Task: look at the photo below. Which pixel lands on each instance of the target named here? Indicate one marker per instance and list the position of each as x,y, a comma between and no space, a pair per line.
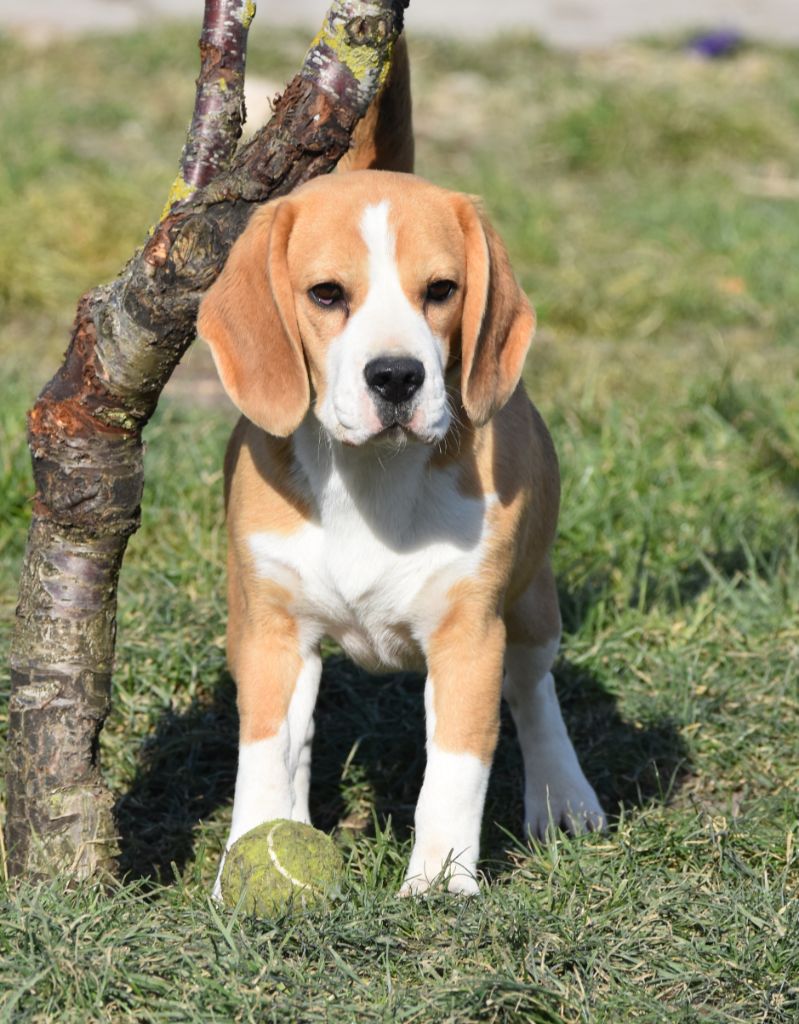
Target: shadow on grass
369,755
629,764
187,769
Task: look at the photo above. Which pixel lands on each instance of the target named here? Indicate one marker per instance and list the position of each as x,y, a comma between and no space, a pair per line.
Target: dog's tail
383,138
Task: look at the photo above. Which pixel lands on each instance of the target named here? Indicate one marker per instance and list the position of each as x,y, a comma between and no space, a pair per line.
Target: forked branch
85,429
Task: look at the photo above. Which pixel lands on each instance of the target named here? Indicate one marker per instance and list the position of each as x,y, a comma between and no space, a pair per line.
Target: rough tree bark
85,428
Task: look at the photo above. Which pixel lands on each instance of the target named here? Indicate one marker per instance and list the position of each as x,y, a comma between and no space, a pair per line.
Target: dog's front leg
462,698
277,688
275,729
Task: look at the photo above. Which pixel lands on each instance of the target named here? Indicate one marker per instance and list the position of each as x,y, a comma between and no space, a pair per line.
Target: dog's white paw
432,870
459,885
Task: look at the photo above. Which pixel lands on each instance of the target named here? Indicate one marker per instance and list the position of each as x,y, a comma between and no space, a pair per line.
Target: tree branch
219,101
85,429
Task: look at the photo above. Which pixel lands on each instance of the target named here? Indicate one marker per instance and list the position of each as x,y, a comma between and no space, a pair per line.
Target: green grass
646,200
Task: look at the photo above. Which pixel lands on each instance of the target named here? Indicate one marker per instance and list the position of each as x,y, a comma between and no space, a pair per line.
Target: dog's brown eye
326,294
440,291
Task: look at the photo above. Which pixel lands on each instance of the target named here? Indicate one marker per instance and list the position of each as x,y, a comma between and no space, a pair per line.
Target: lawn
650,201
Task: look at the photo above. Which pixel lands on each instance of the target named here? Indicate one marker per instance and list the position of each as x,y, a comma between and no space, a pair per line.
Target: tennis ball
281,863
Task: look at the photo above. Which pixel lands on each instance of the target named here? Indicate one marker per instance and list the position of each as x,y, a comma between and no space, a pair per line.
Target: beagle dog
391,486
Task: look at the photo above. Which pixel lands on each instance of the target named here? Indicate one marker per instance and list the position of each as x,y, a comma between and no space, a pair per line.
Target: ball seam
276,861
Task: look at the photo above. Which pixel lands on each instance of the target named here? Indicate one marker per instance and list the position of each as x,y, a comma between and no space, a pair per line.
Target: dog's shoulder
510,465
511,457
263,487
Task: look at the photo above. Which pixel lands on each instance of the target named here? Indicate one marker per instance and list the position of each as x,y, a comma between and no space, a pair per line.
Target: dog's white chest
375,571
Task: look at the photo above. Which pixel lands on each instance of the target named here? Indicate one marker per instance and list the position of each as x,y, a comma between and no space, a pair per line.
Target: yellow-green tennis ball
280,864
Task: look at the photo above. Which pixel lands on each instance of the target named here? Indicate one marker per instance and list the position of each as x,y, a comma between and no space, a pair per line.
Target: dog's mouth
393,415
396,434
393,437
391,425
397,423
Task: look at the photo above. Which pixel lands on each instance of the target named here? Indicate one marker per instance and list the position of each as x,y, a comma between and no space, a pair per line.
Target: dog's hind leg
555,789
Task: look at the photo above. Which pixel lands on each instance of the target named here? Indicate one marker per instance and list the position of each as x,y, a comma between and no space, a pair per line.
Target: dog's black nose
395,380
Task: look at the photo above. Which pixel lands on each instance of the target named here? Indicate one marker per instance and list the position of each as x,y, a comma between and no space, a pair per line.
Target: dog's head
367,292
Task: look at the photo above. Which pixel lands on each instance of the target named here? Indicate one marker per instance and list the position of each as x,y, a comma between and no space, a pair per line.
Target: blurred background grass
650,201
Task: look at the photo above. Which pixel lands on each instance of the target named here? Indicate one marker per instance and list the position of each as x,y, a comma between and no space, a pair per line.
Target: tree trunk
85,429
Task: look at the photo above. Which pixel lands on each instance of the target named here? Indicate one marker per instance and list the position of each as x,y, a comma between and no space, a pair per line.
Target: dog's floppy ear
498,320
248,319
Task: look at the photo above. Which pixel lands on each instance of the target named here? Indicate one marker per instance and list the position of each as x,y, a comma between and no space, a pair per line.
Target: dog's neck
383,484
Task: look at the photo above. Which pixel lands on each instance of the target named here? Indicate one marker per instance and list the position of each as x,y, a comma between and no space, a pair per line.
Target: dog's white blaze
396,328
555,788
382,248
385,324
